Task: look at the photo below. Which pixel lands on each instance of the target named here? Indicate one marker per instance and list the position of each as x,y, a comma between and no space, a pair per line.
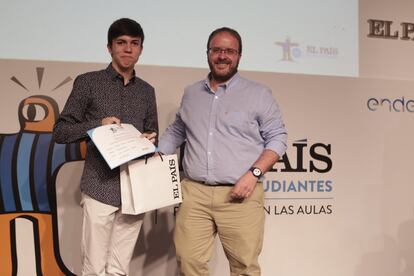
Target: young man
234,133
111,96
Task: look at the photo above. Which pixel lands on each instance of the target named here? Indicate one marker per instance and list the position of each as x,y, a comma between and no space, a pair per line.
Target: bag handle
160,154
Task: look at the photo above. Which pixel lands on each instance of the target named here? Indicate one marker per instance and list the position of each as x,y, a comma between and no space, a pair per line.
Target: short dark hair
232,32
125,26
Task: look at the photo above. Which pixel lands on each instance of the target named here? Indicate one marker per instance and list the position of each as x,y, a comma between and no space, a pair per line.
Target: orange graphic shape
48,263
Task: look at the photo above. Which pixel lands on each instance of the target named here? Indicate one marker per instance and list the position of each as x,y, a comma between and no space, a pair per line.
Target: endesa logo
391,105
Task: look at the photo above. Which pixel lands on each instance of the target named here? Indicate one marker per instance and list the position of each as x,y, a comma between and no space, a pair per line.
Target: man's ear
109,47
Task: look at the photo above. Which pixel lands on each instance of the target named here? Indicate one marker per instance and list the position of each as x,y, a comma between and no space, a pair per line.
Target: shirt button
209,152
216,97
211,133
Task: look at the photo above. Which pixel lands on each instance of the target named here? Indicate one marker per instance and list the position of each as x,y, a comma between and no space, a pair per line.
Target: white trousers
108,238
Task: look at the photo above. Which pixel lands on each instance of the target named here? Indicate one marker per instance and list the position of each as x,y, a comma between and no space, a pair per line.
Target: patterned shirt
225,131
96,95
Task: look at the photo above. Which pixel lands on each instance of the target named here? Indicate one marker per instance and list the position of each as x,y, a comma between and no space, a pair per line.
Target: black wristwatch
256,171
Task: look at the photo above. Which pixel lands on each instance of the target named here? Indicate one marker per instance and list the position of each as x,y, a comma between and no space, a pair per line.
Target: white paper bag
150,184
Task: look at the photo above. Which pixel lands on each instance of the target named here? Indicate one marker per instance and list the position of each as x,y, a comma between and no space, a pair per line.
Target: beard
222,76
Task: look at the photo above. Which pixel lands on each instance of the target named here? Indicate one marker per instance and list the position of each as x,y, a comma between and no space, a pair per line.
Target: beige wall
382,57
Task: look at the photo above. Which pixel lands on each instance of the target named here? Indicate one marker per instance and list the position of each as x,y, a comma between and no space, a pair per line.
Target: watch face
256,172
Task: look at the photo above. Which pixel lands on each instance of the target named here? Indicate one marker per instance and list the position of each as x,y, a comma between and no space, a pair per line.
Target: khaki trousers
108,238
207,211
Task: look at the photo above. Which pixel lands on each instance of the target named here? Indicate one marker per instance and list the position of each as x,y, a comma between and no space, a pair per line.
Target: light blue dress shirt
225,131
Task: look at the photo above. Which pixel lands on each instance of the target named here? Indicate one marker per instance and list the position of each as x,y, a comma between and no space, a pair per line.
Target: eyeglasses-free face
125,51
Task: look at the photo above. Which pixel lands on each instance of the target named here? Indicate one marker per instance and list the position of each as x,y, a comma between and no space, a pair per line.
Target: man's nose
222,54
128,47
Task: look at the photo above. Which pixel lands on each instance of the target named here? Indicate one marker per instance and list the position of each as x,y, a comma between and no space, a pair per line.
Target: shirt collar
115,75
226,85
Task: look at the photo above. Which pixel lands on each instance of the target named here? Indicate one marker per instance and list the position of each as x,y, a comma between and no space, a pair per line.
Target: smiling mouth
222,64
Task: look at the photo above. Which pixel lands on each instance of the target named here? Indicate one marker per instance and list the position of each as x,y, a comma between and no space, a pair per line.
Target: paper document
120,144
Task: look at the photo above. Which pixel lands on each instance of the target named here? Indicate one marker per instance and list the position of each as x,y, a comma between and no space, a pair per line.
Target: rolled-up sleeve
271,125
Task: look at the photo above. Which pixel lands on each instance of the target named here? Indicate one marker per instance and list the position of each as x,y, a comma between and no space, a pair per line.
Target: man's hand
244,186
150,136
111,120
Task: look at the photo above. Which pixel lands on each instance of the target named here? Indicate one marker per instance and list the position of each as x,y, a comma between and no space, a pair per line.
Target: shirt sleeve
72,125
271,125
173,136
151,117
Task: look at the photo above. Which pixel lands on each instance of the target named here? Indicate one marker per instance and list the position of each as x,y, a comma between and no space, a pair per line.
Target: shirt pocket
235,119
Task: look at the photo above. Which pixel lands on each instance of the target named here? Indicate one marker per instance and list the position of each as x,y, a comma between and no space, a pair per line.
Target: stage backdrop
340,202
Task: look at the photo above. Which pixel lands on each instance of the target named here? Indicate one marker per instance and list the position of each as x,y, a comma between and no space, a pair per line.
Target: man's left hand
244,186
